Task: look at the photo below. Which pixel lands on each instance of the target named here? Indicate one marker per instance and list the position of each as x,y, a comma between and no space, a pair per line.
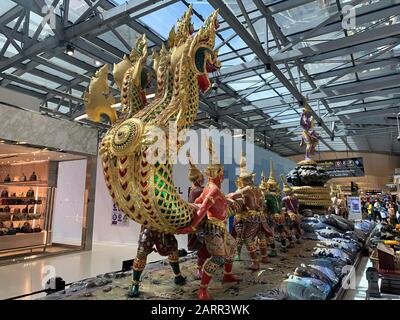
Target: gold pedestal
313,196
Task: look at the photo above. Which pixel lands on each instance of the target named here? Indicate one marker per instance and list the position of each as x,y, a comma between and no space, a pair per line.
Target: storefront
45,206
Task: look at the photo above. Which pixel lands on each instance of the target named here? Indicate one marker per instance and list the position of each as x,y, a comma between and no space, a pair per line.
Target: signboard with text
118,218
343,168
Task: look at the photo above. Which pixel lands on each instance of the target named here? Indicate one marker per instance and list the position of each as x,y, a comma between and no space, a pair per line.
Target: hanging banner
118,218
343,168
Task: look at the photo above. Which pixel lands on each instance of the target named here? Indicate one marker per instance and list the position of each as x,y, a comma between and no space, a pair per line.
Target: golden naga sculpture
98,99
140,188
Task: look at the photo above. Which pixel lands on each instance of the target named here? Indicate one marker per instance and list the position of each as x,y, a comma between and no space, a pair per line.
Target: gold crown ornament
184,28
214,169
263,183
194,173
244,174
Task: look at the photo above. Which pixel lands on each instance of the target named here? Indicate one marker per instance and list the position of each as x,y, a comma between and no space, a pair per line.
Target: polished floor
24,278
358,285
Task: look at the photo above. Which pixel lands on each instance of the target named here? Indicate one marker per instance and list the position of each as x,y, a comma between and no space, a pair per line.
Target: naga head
203,56
98,99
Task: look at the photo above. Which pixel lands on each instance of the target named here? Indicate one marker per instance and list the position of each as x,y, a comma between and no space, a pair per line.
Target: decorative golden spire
183,28
120,69
171,38
263,184
271,180
140,50
194,173
244,174
286,188
214,168
206,34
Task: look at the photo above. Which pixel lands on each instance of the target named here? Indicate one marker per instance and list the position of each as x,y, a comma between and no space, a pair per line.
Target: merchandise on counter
22,178
5,217
31,209
30,193
4,194
37,229
33,176
32,216
7,178
25,210
26,228
321,273
7,209
298,288
15,210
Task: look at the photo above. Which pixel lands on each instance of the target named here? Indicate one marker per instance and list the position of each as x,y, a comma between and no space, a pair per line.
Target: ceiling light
21,142
70,50
84,116
98,63
150,96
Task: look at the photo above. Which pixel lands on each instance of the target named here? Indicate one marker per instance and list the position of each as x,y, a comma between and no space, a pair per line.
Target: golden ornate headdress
244,174
263,184
194,173
286,188
182,29
214,169
140,49
206,34
271,180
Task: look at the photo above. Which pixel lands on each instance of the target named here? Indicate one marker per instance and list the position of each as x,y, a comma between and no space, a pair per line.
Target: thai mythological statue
139,179
309,137
339,205
263,240
291,203
274,207
211,217
165,245
252,220
196,240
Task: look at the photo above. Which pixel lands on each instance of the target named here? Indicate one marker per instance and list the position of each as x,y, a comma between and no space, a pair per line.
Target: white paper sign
118,218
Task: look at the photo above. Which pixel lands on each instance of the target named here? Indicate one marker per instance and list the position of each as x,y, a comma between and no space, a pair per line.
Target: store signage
343,168
118,218
355,212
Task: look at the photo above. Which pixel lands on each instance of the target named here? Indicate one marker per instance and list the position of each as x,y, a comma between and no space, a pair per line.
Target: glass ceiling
340,72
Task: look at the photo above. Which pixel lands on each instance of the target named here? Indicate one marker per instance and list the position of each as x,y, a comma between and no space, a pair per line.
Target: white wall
19,99
37,129
104,232
69,202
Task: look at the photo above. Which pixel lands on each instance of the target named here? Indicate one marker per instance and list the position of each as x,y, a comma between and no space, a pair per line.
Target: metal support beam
259,51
